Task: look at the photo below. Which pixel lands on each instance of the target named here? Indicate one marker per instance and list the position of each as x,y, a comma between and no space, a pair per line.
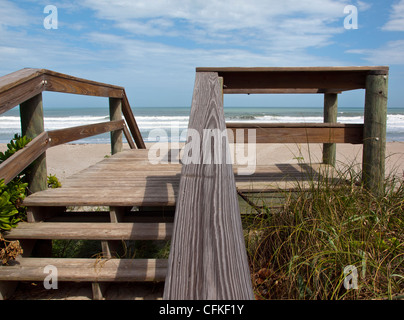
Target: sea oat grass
303,251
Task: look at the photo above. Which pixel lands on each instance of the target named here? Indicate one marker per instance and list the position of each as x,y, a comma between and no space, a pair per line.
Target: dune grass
330,240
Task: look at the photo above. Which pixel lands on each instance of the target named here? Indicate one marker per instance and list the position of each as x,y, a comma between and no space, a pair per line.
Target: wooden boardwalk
195,205
128,179
121,183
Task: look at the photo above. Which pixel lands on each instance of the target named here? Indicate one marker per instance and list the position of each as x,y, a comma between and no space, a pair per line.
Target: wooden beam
208,257
91,231
330,116
128,137
59,82
380,69
21,92
131,123
23,158
374,133
301,132
115,114
301,78
102,270
279,91
62,136
32,125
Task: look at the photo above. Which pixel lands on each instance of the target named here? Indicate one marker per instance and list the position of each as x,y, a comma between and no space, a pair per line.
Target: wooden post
115,113
374,132
32,124
330,116
208,259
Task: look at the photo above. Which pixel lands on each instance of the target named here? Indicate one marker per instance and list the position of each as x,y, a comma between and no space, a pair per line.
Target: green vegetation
11,211
12,194
15,144
300,251
53,182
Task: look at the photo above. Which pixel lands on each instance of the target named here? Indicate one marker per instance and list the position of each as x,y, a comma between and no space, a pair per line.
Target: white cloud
275,23
396,20
12,15
390,54
362,5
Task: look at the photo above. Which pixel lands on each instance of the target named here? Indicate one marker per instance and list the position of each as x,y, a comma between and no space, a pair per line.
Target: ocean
174,120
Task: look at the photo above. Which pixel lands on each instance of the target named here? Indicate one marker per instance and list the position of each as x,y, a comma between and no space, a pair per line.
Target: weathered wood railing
25,88
329,81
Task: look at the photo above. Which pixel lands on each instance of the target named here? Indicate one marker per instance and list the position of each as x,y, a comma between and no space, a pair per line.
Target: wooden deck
128,179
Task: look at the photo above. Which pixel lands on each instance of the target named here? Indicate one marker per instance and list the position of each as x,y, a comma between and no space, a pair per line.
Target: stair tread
89,270
91,231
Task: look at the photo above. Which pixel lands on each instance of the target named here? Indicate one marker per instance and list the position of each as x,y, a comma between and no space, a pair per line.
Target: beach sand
66,160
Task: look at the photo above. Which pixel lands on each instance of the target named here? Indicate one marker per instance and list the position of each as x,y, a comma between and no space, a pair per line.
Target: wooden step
86,270
91,231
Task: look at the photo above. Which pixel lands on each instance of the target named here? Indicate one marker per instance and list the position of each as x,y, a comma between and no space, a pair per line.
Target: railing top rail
294,79
24,84
19,77
294,69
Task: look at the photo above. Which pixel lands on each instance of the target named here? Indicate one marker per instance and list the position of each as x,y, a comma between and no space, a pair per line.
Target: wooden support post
115,113
208,258
374,133
32,124
330,116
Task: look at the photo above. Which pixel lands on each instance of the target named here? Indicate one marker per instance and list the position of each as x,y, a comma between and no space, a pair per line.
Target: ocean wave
9,125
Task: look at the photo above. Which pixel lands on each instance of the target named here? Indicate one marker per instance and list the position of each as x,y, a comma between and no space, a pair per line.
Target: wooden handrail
24,84
62,136
301,132
11,167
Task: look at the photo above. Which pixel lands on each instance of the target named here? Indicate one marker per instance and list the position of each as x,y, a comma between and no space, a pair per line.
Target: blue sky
153,47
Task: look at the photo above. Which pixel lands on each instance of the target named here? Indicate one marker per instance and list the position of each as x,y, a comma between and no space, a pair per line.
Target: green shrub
53,182
15,144
12,194
11,197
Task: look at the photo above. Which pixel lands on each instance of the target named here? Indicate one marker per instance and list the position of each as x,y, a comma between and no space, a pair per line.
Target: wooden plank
131,122
16,78
32,125
24,157
382,69
21,92
113,197
208,258
374,133
330,116
301,133
32,269
59,82
128,137
279,91
115,114
62,136
324,78
91,231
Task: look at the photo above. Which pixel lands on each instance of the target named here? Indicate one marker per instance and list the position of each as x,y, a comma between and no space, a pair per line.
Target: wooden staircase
107,267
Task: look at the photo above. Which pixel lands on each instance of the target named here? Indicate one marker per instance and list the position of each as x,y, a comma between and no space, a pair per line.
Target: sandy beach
66,160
